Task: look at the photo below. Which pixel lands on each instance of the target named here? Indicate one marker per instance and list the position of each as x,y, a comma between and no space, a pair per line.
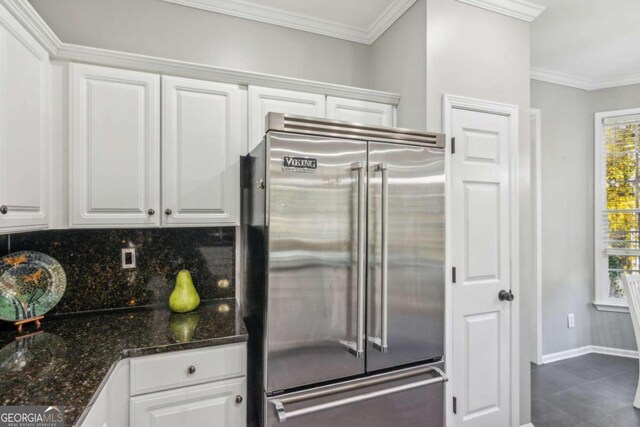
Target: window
617,203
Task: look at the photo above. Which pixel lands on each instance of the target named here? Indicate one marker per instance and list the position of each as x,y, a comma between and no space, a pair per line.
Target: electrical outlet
129,258
571,321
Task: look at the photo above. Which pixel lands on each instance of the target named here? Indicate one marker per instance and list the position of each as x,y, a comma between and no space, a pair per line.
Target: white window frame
602,300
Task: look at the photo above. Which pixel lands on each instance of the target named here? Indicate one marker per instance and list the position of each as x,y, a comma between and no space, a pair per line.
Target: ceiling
590,44
361,21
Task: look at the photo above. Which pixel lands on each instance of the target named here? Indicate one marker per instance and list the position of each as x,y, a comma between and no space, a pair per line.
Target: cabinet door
220,404
264,100
201,148
24,110
351,110
111,406
115,147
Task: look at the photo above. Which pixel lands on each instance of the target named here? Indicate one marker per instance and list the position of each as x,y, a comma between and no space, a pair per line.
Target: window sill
616,307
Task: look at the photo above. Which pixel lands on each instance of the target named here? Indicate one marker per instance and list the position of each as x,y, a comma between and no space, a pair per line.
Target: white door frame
536,154
450,102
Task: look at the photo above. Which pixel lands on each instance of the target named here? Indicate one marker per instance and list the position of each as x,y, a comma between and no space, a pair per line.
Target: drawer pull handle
238,399
4,209
191,370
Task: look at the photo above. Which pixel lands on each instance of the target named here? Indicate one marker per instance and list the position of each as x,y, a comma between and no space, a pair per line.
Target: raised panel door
364,112
201,148
115,147
264,100
220,404
481,235
24,111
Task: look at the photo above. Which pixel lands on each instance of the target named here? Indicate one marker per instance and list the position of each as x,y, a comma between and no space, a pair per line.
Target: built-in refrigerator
343,229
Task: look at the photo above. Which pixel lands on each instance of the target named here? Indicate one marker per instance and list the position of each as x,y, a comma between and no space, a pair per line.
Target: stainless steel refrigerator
343,253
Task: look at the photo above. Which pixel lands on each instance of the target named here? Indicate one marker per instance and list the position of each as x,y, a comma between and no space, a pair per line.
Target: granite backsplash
96,280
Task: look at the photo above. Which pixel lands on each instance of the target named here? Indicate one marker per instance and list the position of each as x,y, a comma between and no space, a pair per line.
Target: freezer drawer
409,397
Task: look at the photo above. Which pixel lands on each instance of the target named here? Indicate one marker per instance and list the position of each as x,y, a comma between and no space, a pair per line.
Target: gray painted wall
477,53
157,28
453,58
567,214
568,217
398,64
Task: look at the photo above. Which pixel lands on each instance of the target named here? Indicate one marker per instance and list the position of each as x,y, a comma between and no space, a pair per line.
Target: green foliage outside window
623,201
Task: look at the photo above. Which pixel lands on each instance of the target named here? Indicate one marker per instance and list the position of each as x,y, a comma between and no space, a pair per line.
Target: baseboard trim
580,351
527,425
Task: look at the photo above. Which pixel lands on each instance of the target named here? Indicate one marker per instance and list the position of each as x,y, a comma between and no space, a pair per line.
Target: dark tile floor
594,390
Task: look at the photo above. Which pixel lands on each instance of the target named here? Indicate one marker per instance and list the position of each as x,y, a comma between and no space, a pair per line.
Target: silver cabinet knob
238,399
168,211
151,212
191,370
4,209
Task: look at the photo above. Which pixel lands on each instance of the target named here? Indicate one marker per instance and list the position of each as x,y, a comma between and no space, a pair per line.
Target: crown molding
27,16
132,61
581,82
519,9
38,28
297,21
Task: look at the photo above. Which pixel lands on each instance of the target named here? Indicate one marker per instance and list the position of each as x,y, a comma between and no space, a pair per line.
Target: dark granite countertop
67,362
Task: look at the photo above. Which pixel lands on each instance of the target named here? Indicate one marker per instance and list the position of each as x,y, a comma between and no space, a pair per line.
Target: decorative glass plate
31,284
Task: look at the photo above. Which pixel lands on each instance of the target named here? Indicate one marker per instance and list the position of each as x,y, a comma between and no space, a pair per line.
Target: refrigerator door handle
357,349
382,344
284,416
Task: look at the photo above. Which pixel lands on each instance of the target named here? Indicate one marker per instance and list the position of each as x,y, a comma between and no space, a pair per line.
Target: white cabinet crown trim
519,9
29,18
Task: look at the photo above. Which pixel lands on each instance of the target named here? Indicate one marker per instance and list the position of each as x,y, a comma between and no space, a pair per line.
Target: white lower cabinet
219,404
203,387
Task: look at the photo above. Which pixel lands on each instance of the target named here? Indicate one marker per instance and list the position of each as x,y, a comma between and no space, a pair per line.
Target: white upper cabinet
364,112
114,147
264,100
24,112
201,147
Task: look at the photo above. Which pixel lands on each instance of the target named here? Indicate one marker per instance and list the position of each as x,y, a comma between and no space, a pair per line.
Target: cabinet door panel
264,100
351,110
212,404
115,147
202,126
24,109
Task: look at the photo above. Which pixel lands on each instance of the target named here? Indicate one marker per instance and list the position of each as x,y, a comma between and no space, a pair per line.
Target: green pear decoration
184,297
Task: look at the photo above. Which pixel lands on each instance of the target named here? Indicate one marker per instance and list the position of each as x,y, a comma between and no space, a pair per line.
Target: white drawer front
172,370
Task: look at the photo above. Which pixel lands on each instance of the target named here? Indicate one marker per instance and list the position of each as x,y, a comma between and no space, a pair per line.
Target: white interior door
480,224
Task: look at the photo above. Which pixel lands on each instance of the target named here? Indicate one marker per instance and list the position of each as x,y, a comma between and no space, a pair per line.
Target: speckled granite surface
66,363
96,280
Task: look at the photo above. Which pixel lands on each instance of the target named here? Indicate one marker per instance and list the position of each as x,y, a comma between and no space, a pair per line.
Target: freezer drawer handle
381,344
284,416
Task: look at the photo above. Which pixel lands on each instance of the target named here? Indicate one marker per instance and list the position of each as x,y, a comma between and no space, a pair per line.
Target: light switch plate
128,258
